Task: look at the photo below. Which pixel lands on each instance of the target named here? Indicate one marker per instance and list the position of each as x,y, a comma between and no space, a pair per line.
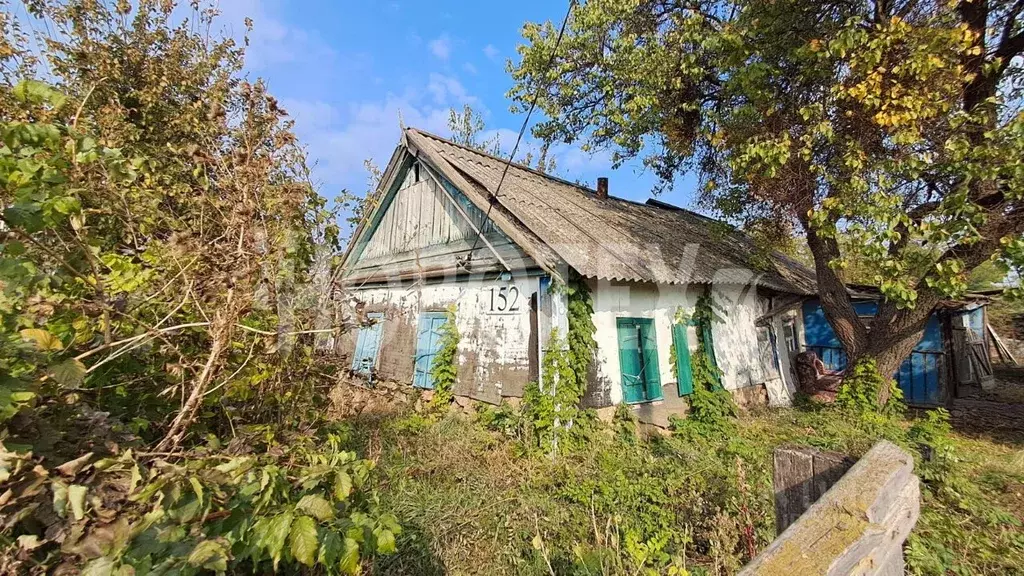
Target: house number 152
505,299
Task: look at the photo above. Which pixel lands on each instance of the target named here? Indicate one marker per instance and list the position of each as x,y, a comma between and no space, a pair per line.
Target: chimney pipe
602,187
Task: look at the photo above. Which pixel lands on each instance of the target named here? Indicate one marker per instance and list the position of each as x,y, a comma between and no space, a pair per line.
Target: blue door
368,344
428,339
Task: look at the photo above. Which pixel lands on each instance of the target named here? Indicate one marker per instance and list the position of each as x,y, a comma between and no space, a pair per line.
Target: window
368,344
428,340
789,334
638,360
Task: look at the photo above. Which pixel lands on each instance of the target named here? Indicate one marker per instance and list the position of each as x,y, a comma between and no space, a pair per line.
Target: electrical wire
522,130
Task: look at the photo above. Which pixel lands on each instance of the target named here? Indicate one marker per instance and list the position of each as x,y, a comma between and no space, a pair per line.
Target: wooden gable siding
421,216
422,230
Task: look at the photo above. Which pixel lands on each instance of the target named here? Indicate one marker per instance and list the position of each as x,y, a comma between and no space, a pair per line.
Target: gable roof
609,238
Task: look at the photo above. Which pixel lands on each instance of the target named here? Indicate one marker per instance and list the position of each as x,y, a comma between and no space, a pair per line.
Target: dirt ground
998,412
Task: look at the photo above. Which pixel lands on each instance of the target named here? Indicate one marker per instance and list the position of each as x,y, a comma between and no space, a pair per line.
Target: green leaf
385,541
330,548
60,498
43,340
76,497
303,540
316,506
209,554
349,563
342,485
69,373
99,567
277,532
197,487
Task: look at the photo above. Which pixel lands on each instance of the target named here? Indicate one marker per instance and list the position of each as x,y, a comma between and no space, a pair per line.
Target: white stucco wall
736,310
736,348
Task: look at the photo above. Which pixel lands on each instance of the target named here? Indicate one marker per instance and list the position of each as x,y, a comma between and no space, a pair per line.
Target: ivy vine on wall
712,409
554,408
444,369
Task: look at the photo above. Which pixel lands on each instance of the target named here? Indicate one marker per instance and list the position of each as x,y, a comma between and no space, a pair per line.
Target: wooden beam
462,211
1001,348
545,257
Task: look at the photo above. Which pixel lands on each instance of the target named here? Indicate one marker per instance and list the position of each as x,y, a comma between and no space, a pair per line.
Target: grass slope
472,500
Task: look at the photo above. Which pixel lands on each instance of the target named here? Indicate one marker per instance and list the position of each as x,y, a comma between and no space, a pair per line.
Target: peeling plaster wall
736,348
633,300
495,356
736,309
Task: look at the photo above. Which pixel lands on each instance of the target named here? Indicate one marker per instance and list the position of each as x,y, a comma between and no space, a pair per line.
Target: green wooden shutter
683,368
629,360
652,371
709,349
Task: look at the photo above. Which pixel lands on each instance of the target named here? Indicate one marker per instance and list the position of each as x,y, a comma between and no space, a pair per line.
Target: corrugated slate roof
616,239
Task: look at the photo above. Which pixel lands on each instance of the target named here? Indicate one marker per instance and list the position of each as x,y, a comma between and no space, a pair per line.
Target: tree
155,217
466,128
894,123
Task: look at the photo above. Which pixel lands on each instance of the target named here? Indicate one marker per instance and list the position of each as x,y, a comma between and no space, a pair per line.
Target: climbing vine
712,410
861,391
581,333
553,409
444,368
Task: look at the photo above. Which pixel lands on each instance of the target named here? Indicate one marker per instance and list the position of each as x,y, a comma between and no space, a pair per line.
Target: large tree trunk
892,333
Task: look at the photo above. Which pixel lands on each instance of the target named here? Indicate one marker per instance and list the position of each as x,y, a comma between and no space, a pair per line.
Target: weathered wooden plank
857,527
793,470
829,467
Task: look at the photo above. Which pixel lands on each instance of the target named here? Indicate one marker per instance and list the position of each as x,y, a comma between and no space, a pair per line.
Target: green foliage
444,369
554,411
159,242
862,389
467,126
886,132
582,345
201,512
712,408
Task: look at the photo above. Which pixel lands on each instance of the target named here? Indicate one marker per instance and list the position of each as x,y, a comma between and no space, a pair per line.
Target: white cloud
469,68
447,90
491,51
340,137
441,47
272,41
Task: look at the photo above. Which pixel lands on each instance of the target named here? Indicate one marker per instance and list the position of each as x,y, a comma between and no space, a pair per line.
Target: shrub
304,505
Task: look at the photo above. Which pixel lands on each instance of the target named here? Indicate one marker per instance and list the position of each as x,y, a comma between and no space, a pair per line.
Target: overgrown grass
471,500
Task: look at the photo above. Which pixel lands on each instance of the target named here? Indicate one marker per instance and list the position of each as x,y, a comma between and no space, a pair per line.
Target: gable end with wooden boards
428,245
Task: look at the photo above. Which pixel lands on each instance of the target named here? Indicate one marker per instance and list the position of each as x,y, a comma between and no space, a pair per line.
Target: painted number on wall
505,299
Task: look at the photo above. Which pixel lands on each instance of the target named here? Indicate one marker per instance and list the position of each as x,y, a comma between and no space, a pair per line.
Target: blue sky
346,71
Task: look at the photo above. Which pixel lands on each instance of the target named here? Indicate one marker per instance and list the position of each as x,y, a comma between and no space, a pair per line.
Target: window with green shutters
638,360
684,373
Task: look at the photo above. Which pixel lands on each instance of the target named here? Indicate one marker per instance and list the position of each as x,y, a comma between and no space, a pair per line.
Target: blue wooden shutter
428,338
368,344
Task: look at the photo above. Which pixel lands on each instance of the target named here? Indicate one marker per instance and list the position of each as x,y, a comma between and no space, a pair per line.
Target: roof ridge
519,165
578,186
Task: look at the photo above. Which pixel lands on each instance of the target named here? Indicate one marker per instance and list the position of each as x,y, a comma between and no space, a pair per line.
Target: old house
441,235
952,355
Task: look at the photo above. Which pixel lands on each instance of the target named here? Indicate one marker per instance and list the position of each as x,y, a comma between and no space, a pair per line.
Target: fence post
858,526
801,476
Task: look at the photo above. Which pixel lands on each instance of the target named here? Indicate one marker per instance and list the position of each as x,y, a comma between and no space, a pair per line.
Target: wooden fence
858,523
